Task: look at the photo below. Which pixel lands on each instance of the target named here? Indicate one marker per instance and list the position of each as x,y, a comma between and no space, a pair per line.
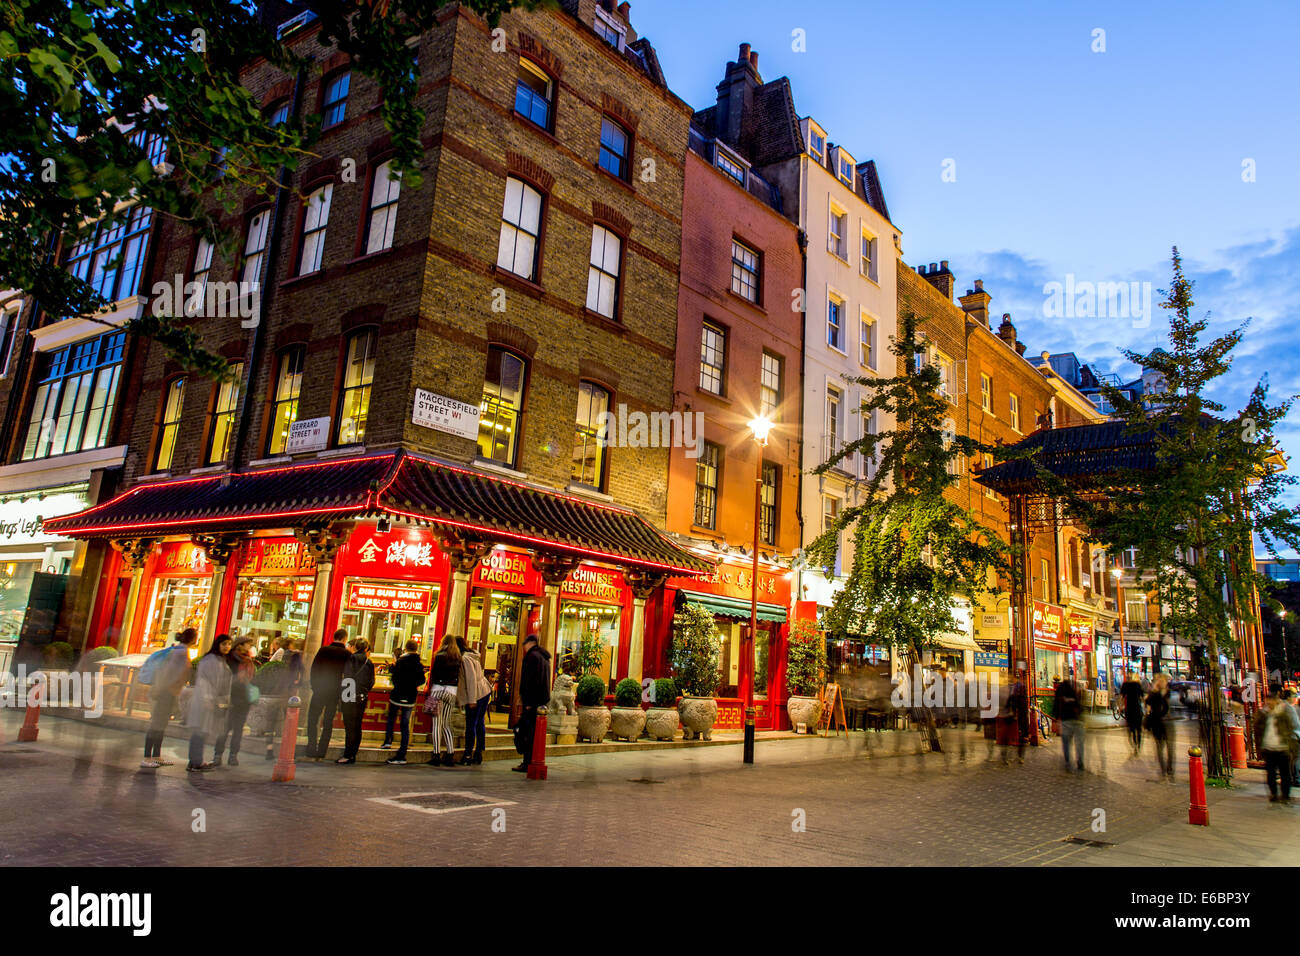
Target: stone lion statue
562,696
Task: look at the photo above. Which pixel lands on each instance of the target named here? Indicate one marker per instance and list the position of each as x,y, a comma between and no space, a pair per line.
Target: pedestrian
441,700
1289,698
358,680
1069,711
278,644
1131,693
210,700
473,693
326,679
534,692
170,675
1019,702
407,677
1159,724
1276,726
242,669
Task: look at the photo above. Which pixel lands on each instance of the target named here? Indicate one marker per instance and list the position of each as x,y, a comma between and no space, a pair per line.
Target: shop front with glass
273,591
1052,651
595,611
179,594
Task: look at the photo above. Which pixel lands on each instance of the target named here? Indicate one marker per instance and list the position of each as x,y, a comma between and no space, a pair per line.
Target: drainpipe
802,240
267,288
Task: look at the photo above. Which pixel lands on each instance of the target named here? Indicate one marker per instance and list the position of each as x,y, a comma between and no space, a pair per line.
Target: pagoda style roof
1093,456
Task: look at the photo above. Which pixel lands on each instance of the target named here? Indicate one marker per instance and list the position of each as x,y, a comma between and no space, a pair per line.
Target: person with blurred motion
242,670
1160,724
326,679
1131,693
1276,726
209,702
1068,709
171,674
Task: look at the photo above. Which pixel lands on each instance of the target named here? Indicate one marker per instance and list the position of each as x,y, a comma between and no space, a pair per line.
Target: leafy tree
1213,481
916,551
696,651
87,87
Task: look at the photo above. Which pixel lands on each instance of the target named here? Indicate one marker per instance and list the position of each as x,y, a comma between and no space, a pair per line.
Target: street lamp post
1119,616
760,427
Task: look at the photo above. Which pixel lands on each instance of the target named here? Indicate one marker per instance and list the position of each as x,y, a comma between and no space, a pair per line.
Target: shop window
521,230
177,603
501,407
589,449
615,148
768,500
170,425
315,218
284,402
493,625
382,221
223,415
358,374
75,397
603,274
534,94
390,613
713,358
707,475
769,387
110,256
250,265
581,622
334,100
744,271
269,607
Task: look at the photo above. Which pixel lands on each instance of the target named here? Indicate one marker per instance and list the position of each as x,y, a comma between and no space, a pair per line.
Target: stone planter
264,716
661,723
593,723
804,710
698,715
627,722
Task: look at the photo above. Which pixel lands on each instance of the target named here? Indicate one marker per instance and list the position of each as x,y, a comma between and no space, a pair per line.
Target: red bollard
28,731
1198,813
284,765
537,762
1237,748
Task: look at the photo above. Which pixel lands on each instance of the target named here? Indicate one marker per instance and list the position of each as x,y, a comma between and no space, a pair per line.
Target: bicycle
1044,722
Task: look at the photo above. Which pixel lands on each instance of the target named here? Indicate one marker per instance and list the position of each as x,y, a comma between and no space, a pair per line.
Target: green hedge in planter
665,692
696,649
805,659
590,691
627,692
59,654
95,655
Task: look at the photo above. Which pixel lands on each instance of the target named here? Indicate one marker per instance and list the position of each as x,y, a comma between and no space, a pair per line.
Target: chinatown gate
391,546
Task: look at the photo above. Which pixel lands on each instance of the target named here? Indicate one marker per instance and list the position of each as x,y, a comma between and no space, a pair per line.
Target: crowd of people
341,678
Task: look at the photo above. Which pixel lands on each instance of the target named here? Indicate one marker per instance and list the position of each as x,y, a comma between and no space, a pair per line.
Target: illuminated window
383,208
589,447
769,387
284,403
603,275
358,374
707,469
223,415
316,216
501,407
521,229
534,94
173,405
75,395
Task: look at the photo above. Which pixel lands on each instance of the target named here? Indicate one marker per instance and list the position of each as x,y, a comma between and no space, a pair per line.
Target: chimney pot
625,10
753,60
744,53
934,267
979,285
944,264
1020,347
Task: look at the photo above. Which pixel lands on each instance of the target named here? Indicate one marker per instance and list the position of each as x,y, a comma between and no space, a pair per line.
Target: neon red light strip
136,526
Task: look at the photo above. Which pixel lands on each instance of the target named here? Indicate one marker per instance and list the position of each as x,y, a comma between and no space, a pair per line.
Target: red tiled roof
398,483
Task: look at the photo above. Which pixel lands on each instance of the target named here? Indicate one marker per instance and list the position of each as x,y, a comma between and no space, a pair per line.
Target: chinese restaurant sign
182,557
409,553
509,571
1081,637
588,583
388,597
277,556
737,581
1049,624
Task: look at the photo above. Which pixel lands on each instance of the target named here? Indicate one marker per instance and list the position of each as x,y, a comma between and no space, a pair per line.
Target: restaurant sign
1049,624
1081,633
737,581
588,583
364,596
507,570
182,557
276,556
402,552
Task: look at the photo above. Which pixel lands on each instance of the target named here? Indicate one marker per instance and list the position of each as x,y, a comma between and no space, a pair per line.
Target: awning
397,483
733,607
957,642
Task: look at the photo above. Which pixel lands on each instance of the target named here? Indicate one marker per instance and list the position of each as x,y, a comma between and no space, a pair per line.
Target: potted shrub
593,716
805,664
661,719
695,651
58,656
91,660
627,719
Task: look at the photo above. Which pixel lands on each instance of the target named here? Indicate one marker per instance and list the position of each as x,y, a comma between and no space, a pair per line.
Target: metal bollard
29,730
1198,812
537,762
284,765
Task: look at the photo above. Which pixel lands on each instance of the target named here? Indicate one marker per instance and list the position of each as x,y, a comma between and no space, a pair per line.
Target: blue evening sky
1067,161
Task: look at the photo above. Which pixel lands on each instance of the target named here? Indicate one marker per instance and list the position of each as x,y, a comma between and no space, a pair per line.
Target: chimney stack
939,277
975,303
753,59
625,11
1007,332
736,95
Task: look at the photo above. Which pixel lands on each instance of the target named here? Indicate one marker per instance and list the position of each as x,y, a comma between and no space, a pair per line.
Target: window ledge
713,395
208,469
836,348
273,460
586,491
614,179
358,260
526,286
835,255
540,130
304,279
749,302
355,449
869,278
492,466
614,325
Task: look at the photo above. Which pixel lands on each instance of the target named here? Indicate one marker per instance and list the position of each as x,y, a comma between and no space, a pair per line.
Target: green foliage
95,655
916,550
805,658
58,655
627,692
272,678
590,692
590,655
695,652
665,692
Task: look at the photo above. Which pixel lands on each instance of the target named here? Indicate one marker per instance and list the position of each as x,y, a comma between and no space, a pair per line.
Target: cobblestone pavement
77,797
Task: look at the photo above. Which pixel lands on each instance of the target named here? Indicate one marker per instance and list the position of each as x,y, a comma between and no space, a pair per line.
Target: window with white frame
769,387
534,94
816,146
1015,410
521,229
835,322
830,515
334,100
834,419
202,267
988,463
947,376
867,256
870,462
1044,579
75,396
8,323
250,268
744,271
316,217
837,236
731,167
383,208
612,33
110,255
986,392
867,342
713,358
603,274
846,172
954,464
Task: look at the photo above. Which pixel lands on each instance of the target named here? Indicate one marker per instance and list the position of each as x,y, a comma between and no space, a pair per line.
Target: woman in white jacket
210,701
473,693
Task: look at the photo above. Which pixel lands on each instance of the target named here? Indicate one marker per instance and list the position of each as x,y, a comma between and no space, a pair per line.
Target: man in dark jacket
326,679
1131,692
407,675
1068,710
358,680
534,692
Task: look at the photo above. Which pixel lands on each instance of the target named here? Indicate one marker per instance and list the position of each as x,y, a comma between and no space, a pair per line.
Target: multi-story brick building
412,443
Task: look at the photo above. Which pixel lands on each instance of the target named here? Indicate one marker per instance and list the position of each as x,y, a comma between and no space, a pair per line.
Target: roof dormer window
817,146
610,30
730,164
